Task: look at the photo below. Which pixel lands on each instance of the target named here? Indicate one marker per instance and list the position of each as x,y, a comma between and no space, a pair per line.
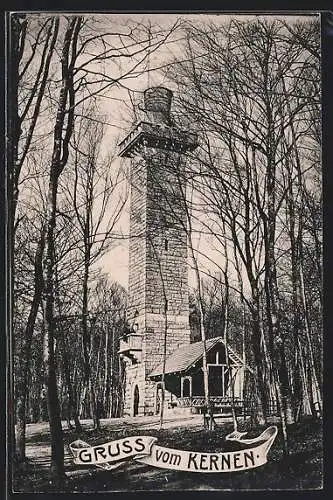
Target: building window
166,245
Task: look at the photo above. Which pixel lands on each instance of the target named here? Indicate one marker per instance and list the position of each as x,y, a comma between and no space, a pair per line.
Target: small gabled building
183,375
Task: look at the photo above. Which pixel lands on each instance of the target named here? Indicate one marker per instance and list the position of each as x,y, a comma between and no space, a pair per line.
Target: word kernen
208,461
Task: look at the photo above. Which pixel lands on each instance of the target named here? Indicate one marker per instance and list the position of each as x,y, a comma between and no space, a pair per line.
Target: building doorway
186,388
136,401
159,398
218,380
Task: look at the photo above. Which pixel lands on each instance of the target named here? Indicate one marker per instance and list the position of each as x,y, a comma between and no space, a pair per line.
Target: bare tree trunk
106,388
97,371
22,380
114,392
164,361
316,394
83,397
276,342
225,300
306,406
57,445
72,407
280,374
13,136
202,331
203,339
14,119
225,338
86,342
70,397
256,337
59,159
295,243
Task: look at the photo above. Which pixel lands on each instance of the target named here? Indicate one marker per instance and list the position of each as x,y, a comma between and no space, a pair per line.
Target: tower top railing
159,136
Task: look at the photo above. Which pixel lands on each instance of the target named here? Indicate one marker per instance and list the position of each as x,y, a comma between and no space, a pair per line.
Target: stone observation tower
158,309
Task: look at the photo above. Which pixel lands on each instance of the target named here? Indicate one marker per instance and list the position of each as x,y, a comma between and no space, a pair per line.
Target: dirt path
40,453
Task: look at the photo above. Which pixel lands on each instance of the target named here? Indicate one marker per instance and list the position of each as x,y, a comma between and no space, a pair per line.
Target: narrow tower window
166,245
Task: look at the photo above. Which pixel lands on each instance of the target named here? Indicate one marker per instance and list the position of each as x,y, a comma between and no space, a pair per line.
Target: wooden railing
146,130
221,403
199,401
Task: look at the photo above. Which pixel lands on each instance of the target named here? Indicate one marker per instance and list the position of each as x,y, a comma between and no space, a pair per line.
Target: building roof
187,356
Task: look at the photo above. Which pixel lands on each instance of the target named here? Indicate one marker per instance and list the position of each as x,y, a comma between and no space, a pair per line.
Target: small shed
183,374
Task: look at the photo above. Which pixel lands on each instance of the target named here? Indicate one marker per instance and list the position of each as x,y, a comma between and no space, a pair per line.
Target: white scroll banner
143,449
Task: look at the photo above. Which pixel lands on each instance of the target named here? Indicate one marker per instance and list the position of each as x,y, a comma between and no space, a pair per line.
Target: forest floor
301,470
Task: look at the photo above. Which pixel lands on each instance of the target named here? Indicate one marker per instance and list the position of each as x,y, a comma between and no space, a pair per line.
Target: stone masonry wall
135,375
137,244
158,271
166,245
